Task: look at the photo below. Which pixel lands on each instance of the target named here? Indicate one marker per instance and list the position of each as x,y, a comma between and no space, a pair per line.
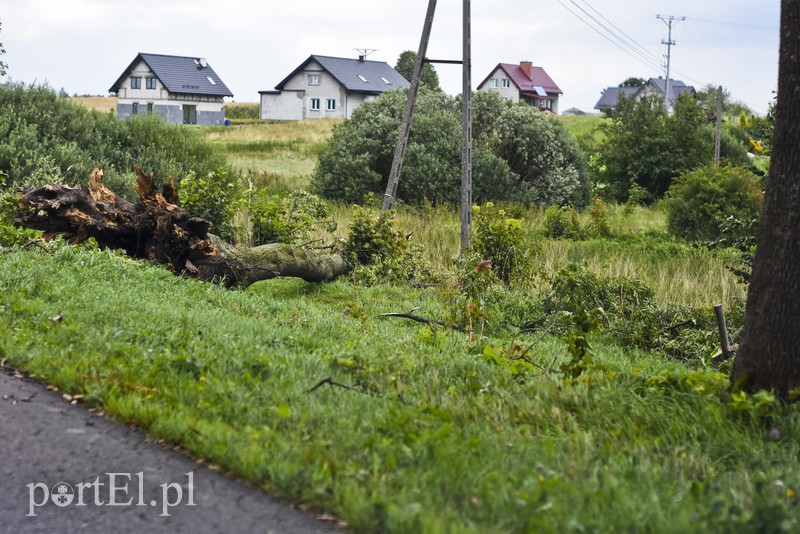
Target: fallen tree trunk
158,229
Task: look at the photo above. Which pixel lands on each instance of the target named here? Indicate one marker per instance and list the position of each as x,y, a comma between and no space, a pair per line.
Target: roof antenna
364,52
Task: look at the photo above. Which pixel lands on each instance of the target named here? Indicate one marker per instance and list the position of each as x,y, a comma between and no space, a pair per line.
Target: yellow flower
202,378
789,493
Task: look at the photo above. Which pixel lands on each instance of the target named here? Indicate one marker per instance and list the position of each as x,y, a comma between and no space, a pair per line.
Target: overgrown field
582,396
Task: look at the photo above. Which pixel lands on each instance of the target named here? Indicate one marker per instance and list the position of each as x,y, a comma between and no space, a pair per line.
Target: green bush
382,253
215,197
518,153
562,222
699,202
284,218
499,239
44,137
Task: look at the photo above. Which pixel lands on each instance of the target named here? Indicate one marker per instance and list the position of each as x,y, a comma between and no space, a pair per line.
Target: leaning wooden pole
466,134
405,127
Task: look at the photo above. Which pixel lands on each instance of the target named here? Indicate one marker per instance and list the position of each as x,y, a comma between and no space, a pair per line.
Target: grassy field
393,425
103,104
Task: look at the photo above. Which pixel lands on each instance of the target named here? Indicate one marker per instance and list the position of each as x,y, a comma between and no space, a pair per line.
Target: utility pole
466,133
668,20
718,138
405,126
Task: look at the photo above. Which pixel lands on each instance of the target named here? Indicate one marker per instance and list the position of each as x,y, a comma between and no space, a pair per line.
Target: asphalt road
65,469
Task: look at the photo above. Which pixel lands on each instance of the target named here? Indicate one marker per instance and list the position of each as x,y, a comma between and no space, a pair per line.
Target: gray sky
83,46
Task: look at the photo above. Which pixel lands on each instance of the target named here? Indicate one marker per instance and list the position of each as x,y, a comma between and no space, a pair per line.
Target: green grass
442,436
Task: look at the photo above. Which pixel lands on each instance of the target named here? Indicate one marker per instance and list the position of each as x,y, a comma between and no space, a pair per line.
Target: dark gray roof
179,74
352,73
676,87
611,96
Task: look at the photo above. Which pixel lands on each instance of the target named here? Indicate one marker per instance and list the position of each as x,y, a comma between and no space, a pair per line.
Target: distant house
654,86
328,87
180,90
523,83
611,95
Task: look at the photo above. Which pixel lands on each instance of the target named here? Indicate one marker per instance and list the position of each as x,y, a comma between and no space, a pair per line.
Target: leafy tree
3,66
405,66
633,82
768,355
700,202
518,153
647,147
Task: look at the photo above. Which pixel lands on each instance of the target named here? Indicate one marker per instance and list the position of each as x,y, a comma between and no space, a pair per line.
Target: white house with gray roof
653,86
179,89
328,87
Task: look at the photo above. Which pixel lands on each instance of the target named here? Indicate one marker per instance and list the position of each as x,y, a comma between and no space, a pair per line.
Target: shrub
699,202
384,255
284,218
44,137
498,239
562,222
518,153
215,197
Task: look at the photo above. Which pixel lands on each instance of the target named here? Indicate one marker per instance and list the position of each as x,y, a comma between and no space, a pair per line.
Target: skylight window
360,77
211,80
387,82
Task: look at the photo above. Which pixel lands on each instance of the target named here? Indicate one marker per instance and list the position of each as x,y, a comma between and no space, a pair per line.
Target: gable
354,75
178,74
538,81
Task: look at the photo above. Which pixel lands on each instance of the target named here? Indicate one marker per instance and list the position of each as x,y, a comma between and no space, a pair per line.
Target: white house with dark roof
653,86
179,89
523,83
328,87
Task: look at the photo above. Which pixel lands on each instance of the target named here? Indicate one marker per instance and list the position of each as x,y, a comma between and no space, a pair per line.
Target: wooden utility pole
466,134
405,127
718,138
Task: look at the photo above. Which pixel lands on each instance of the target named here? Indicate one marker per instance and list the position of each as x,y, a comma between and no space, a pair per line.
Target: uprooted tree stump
158,229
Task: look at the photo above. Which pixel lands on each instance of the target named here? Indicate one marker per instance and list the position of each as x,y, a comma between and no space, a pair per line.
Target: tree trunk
769,356
157,229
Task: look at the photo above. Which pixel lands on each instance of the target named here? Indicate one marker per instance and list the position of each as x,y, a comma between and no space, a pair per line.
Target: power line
606,37
628,37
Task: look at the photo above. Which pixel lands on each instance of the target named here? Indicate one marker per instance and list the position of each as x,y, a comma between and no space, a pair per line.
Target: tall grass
439,435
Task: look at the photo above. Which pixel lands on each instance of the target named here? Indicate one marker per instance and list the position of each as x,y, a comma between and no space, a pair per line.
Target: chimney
527,68
362,58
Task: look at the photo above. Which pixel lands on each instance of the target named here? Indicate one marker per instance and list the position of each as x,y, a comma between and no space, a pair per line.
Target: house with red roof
523,83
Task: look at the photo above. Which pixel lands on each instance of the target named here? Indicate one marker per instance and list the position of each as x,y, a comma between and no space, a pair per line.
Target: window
331,104
313,79
189,114
387,82
211,80
315,104
493,83
149,108
360,77
135,110
136,82
506,83
150,82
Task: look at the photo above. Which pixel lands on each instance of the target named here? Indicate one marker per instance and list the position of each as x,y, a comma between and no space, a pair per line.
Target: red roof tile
526,84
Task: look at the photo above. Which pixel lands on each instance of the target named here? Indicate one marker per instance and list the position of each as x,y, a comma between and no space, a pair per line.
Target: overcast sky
83,46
